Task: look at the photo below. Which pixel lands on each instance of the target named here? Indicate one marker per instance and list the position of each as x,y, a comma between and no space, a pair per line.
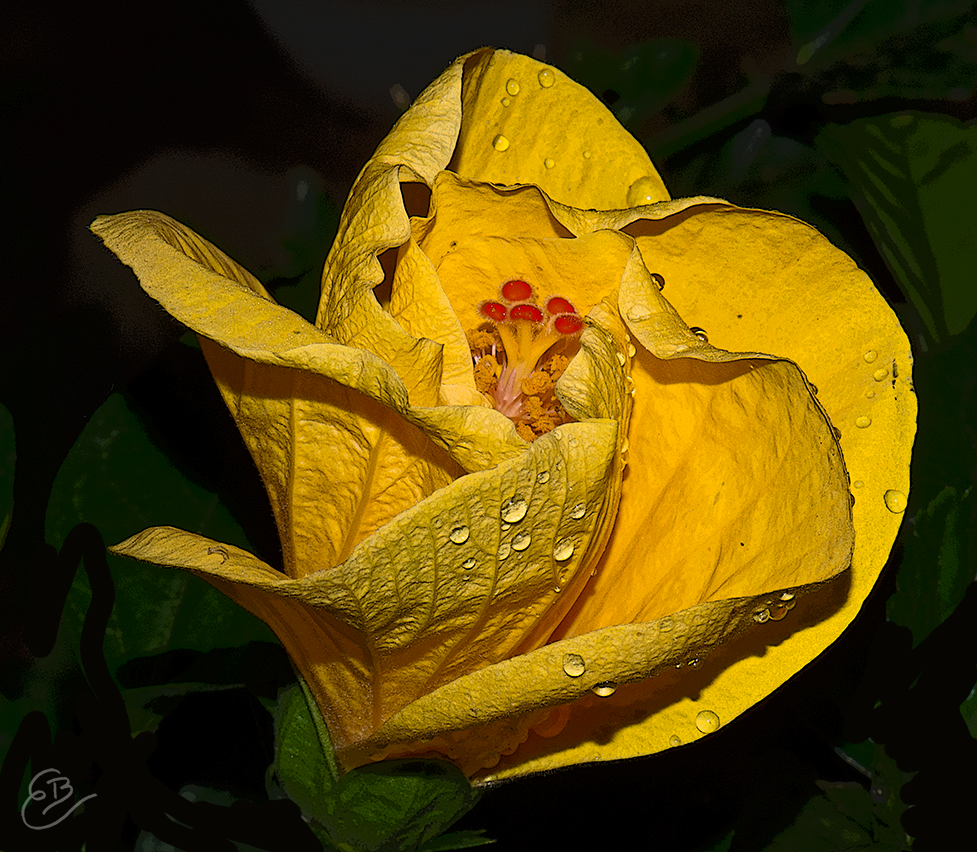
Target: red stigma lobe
559,305
493,311
516,291
526,312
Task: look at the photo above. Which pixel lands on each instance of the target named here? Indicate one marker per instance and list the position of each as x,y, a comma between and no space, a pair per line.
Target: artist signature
61,790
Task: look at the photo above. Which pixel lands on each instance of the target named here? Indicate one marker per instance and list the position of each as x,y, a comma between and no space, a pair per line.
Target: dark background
249,122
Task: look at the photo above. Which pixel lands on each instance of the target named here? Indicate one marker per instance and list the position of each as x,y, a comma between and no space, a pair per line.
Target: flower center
520,351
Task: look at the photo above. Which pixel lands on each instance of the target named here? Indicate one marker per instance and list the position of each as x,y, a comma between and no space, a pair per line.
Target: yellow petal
525,122
482,570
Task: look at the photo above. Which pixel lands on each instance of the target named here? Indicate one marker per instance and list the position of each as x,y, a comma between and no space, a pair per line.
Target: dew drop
546,78
548,163
700,333
512,86
521,541
608,687
659,280
629,385
506,102
870,394
563,550
639,311
574,665
514,510
787,596
870,356
707,721
500,143
622,359
674,740
586,155
693,663
459,535
504,550
895,501
506,527
880,375
469,563
218,550
666,624
779,612
858,484
578,511
631,350
543,477
642,191
761,615
863,422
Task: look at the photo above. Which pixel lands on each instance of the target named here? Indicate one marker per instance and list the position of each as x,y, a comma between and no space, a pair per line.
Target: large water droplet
500,143
514,509
563,550
504,550
674,740
521,541
608,687
777,613
543,477
870,356
546,78
895,501
787,596
761,616
707,721
459,535
512,86
863,422
631,350
880,375
639,311
578,511
469,563
622,359
548,162
700,333
574,665
659,280
642,191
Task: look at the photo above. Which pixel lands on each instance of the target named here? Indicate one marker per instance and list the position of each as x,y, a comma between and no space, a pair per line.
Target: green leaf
911,176
304,761
116,478
8,457
457,840
643,77
934,573
397,805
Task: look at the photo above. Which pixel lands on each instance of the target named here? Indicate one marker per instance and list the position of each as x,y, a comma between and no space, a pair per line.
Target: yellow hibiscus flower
550,468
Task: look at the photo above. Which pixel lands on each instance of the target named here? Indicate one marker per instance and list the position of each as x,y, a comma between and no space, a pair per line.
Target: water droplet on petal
563,550
504,550
863,422
574,665
777,613
548,163
622,359
500,143
870,356
543,477
693,663
604,689
858,484
643,191
512,86
546,78
639,311
514,510
870,394
469,563
659,280
631,350
673,741
761,615
707,721
787,596
700,333
880,375
506,102
895,501
586,155
521,541
578,511
666,624
459,535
